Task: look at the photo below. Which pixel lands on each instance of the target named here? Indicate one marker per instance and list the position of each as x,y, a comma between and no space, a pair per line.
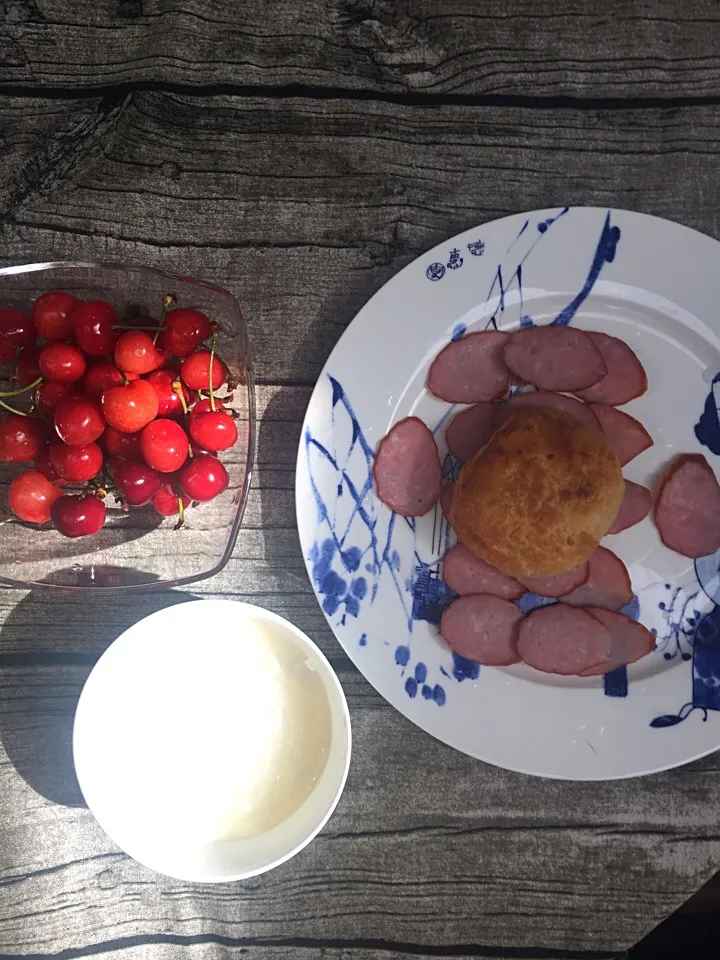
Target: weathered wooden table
301,153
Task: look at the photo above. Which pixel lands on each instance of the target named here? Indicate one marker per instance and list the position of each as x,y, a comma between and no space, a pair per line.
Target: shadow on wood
40,687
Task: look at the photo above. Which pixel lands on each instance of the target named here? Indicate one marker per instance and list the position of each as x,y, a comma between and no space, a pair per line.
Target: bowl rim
252,432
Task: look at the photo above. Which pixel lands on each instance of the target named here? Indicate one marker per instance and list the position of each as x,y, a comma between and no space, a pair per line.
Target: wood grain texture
304,208
425,848
580,49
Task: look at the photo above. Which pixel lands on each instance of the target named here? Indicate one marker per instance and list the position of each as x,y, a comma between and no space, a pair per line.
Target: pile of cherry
587,375
126,406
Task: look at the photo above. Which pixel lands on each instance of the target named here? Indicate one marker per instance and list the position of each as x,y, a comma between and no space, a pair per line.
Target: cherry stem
20,413
213,343
177,389
167,301
181,508
16,393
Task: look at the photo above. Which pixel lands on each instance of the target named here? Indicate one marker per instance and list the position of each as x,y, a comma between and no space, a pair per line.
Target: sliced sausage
629,640
471,369
626,435
634,507
465,573
559,585
470,430
607,586
560,358
407,472
687,509
625,379
483,628
563,640
446,499
541,398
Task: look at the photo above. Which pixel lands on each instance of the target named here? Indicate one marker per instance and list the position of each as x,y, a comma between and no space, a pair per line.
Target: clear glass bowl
138,548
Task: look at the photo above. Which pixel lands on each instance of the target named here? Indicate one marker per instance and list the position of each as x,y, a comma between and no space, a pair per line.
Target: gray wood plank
305,207
582,49
427,847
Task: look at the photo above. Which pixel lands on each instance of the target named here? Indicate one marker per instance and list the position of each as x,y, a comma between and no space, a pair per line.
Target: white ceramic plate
378,576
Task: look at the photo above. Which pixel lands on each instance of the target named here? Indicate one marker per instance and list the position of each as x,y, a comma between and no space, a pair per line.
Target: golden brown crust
537,500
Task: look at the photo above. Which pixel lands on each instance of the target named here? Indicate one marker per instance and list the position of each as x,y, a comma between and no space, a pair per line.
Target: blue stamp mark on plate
436,271
455,260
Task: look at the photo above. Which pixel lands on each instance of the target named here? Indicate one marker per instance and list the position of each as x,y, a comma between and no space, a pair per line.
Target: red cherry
61,362
165,501
79,421
205,406
16,330
203,478
76,464
50,393
103,374
51,314
43,466
183,331
164,445
92,324
26,369
31,495
78,516
124,445
22,439
136,353
129,408
137,482
168,400
213,431
195,371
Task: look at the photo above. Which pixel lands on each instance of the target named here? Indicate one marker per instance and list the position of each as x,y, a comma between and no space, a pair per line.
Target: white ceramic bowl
169,734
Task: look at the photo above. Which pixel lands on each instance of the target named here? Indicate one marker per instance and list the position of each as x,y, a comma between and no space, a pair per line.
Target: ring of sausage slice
608,584
470,430
634,507
559,585
471,369
563,640
626,378
629,640
687,509
626,435
466,574
407,471
558,358
483,628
